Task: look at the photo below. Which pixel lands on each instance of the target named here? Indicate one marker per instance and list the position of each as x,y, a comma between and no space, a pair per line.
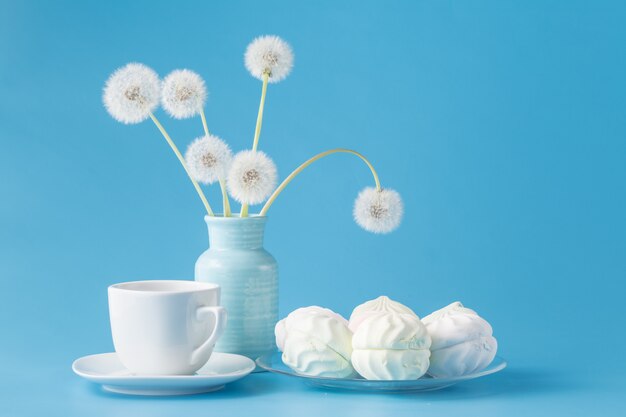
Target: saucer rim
249,368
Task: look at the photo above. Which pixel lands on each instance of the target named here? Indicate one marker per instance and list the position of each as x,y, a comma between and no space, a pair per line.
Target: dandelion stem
257,130
182,161
298,170
206,128
259,118
225,201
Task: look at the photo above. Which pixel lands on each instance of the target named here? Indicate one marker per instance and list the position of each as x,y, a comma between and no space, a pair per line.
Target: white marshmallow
389,364
317,342
462,341
280,330
380,304
391,346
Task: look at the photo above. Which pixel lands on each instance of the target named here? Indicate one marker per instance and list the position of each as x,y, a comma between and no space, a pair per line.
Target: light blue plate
273,363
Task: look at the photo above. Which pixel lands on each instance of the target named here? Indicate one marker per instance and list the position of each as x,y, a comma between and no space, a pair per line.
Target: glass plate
273,363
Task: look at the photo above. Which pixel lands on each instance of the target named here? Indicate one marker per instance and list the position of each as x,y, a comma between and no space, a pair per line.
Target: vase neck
236,232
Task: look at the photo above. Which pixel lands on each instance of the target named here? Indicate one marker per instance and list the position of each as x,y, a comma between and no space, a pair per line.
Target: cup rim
173,286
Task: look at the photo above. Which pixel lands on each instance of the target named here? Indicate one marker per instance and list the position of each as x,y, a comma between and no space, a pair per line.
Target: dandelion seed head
184,94
269,54
378,211
208,159
131,93
252,177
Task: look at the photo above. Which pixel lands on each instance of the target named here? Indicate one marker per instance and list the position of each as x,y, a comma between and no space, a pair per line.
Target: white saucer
107,370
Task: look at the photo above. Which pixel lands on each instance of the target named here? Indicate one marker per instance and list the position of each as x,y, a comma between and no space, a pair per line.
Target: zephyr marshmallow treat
280,330
368,308
462,341
391,346
316,341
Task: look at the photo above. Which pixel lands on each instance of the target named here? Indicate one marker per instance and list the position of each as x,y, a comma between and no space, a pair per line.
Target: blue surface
501,123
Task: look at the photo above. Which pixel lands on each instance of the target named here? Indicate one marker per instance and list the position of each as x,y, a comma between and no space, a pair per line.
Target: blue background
501,123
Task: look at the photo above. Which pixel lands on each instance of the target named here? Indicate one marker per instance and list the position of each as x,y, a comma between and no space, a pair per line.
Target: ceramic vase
248,276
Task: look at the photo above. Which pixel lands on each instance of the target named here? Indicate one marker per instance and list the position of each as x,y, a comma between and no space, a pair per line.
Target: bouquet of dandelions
133,92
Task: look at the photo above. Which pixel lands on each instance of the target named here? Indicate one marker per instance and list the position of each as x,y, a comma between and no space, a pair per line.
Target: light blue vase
248,275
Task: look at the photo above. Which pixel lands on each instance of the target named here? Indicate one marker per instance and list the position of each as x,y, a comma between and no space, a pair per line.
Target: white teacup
165,327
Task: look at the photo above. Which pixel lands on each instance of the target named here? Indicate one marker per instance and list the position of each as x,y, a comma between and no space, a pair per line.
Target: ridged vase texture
248,276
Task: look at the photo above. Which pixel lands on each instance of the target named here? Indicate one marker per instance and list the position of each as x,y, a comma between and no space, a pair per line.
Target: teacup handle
202,314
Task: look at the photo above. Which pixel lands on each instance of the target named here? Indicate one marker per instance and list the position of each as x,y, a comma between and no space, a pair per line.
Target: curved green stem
301,168
182,161
257,130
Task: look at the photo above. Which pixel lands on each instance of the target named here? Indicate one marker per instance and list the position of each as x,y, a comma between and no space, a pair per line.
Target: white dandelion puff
269,54
208,159
378,211
131,93
183,94
252,177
